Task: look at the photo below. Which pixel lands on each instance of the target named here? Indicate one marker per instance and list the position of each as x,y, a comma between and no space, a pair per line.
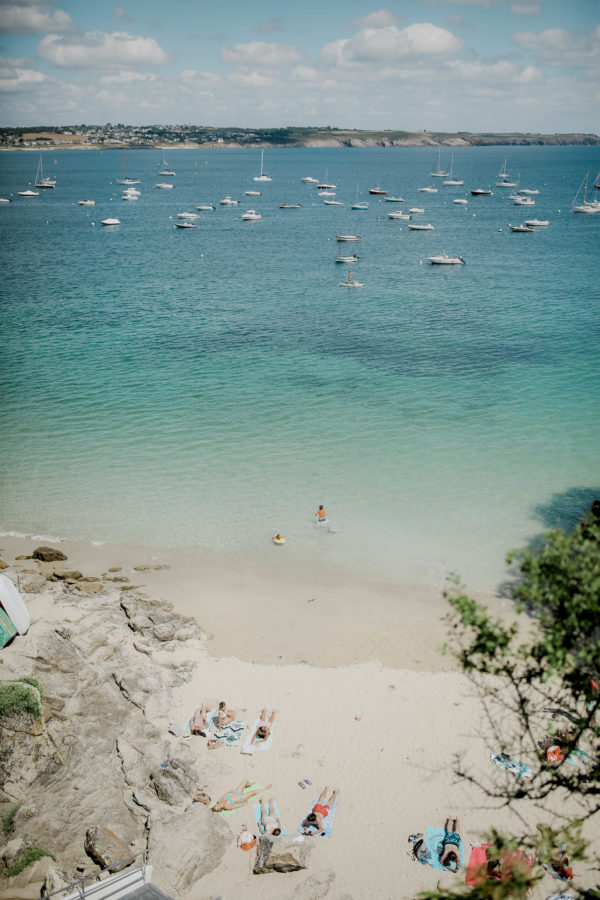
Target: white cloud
558,46
250,80
260,53
379,19
500,73
128,77
391,44
21,79
30,19
97,50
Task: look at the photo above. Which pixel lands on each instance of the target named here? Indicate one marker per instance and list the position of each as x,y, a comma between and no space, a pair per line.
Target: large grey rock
281,854
183,848
105,848
9,853
178,783
56,878
48,554
316,887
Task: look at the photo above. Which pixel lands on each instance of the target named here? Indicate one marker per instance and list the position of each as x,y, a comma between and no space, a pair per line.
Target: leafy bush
28,856
18,698
32,680
8,819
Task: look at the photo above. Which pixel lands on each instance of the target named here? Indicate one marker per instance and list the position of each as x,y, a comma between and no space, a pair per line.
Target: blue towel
250,747
327,823
273,811
519,770
434,838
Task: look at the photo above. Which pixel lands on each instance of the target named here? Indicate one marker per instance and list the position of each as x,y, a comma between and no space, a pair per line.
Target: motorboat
164,186
289,206
428,190
360,205
326,193
347,259
86,203
460,201
128,181
439,173
110,222
378,191
394,199
506,183
262,176
205,207
187,215
398,215
347,237
227,201
481,192
252,193
353,283
523,201
537,223
128,196
326,187
6,200
133,191
251,216
530,191
416,209
521,228
185,225
428,227
333,202
445,260
309,180
28,193
165,170
40,181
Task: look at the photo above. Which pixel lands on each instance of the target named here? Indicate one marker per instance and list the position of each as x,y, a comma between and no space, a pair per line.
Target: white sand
371,651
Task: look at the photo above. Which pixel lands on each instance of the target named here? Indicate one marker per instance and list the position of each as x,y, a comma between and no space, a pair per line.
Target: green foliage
8,819
28,856
18,698
33,681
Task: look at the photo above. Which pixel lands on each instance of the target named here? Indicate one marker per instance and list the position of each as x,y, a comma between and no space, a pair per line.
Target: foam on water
205,389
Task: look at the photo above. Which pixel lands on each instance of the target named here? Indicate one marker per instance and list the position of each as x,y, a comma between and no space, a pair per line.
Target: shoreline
278,615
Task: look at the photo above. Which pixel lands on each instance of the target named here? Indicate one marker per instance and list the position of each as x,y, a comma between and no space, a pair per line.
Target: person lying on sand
268,822
313,823
263,728
199,722
238,798
450,855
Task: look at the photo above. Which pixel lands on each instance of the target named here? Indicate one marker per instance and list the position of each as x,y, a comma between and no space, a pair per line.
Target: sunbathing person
238,798
200,722
224,716
263,728
313,823
450,853
268,823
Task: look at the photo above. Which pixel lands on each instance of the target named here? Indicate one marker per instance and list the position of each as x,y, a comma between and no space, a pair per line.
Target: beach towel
211,721
577,757
231,734
230,812
327,823
478,860
249,748
273,811
519,770
434,839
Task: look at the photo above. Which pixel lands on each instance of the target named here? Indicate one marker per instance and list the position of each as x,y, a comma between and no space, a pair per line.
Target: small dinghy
521,228
347,237
110,222
445,260
398,215
427,227
353,283
347,259
537,223
185,225
206,206
86,203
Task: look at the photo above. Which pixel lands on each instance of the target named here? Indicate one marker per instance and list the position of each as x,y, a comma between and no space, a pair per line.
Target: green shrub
32,680
19,698
8,819
28,856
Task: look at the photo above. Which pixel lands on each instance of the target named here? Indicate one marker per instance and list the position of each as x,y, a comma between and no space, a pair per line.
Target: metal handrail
80,883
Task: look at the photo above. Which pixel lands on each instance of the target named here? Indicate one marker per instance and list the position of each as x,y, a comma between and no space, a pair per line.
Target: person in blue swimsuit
450,853
238,798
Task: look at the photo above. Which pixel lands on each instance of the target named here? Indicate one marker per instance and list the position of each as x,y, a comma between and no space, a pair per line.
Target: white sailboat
125,179
587,206
262,176
40,181
450,180
165,170
503,174
439,173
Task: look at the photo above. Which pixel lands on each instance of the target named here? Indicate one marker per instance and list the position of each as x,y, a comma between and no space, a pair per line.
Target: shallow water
206,388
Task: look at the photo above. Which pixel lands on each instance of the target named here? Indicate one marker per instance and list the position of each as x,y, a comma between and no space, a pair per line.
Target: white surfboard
13,605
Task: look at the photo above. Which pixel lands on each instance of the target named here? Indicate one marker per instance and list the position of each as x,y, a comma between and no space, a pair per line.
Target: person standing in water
321,515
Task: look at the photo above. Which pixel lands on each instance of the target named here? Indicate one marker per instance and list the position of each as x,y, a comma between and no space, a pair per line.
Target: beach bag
554,755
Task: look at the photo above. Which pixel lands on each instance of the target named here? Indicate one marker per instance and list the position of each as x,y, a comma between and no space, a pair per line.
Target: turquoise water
205,388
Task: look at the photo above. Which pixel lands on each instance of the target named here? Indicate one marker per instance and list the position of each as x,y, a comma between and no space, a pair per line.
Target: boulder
56,878
183,848
105,848
316,887
178,783
48,554
164,632
9,853
281,854
65,575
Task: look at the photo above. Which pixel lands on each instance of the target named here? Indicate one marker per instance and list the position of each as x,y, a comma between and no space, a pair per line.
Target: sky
435,65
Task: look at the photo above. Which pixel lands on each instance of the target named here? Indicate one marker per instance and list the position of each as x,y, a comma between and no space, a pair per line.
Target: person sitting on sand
238,798
224,716
268,823
200,722
321,515
450,854
263,728
313,823
246,840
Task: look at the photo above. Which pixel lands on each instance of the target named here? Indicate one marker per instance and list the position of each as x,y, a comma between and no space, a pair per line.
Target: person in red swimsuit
313,823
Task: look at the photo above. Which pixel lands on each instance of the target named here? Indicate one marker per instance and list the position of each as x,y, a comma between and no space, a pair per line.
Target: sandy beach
366,702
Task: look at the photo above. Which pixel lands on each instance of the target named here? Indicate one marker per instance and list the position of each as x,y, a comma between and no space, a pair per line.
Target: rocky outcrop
281,854
48,554
105,848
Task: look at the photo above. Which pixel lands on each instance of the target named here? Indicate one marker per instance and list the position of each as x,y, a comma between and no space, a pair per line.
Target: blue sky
454,65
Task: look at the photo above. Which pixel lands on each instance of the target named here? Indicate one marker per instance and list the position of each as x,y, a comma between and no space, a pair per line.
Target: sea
202,389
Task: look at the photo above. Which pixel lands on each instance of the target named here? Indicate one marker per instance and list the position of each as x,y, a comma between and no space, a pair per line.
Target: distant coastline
126,137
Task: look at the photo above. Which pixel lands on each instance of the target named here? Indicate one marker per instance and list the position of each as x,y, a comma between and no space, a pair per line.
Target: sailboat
262,177
357,204
439,173
503,174
588,206
450,180
165,170
125,179
40,181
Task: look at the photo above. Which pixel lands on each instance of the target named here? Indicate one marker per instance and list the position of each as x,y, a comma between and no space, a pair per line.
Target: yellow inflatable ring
279,540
